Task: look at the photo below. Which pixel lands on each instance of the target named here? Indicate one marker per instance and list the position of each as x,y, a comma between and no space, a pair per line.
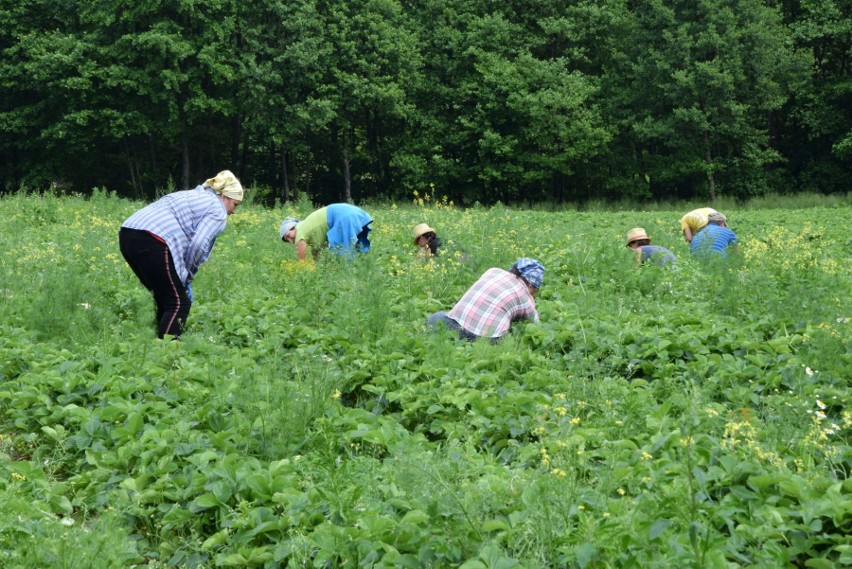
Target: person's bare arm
687,234
302,250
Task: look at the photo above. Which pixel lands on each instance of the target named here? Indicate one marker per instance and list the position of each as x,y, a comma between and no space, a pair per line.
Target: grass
802,200
690,416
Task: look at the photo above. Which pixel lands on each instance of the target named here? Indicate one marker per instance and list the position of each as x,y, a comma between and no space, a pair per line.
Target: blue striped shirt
713,239
188,221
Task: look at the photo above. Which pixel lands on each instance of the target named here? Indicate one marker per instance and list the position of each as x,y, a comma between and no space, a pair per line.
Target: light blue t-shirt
658,255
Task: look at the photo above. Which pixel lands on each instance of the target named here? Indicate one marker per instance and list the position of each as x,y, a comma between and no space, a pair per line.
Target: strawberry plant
682,416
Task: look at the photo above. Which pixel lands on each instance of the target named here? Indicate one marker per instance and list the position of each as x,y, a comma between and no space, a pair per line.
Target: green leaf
204,502
50,431
657,529
135,422
61,505
494,558
415,517
820,563
585,554
215,540
231,560
495,525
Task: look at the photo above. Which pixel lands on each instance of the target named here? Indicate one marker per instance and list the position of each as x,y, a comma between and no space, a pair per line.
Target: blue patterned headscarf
531,270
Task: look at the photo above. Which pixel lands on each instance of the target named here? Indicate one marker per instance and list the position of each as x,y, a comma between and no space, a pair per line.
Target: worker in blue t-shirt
639,241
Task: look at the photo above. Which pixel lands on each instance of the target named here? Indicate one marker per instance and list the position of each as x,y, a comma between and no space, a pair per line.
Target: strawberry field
695,415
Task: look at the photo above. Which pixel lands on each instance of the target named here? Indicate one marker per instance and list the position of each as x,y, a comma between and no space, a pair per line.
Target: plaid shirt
493,302
188,221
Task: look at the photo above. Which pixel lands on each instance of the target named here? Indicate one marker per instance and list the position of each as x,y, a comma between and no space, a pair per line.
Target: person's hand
189,293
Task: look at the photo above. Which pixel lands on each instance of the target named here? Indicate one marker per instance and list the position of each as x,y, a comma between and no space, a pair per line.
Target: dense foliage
689,416
514,100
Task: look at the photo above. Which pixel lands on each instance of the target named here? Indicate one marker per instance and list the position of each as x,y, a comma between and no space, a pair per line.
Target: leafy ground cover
692,416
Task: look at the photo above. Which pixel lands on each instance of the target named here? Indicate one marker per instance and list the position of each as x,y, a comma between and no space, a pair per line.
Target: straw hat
636,234
420,230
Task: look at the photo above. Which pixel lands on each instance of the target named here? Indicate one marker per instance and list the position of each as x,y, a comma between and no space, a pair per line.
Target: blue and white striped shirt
188,221
712,240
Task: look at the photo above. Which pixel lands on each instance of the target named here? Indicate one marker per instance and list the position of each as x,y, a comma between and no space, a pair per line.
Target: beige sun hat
226,184
636,234
421,229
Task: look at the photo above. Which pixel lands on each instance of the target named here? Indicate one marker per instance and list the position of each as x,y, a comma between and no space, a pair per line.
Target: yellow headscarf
226,184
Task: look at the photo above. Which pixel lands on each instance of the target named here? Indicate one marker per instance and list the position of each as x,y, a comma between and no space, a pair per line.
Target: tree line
481,100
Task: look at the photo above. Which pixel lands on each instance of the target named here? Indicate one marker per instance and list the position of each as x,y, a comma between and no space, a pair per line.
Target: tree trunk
711,180
152,153
134,182
378,163
284,174
557,192
294,164
236,130
185,151
347,175
137,168
200,164
246,145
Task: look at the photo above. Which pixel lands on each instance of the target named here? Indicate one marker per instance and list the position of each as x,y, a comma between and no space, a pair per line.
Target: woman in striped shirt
167,241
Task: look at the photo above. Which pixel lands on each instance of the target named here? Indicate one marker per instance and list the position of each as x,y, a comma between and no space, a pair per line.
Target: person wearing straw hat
694,221
639,241
341,227
167,241
497,299
429,245
427,241
716,239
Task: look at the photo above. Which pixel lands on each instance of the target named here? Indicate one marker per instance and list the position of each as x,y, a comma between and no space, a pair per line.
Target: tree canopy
482,101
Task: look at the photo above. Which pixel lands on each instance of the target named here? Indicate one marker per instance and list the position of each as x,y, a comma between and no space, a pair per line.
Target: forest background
516,101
